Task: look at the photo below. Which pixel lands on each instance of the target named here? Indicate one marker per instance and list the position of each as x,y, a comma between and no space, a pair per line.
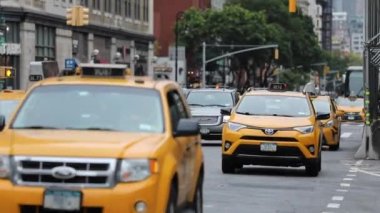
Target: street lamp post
177,18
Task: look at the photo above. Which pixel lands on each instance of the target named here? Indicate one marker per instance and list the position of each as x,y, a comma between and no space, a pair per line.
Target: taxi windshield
321,106
272,105
7,107
358,102
210,98
89,107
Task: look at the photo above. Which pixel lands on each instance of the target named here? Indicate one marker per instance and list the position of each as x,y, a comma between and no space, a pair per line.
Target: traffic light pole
252,48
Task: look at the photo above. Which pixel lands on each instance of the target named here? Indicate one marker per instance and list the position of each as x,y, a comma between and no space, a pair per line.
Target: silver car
205,105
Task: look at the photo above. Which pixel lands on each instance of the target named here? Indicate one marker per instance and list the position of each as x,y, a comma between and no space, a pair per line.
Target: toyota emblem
63,172
269,131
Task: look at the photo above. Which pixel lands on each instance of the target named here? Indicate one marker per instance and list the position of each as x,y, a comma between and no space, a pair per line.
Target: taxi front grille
352,116
207,120
265,138
39,171
39,209
255,150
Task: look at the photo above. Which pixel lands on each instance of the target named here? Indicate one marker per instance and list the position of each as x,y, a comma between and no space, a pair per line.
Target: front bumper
352,117
292,147
121,198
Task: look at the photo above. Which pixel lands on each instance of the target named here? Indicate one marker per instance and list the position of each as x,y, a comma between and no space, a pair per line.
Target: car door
337,120
186,148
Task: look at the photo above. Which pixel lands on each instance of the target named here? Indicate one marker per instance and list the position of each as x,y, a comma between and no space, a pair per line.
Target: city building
314,10
341,37
326,23
218,4
37,30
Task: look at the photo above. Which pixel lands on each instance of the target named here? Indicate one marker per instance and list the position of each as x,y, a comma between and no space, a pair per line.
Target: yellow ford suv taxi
331,126
273,127
101,142
9,100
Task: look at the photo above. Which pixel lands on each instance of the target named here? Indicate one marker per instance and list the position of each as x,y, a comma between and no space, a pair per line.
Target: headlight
136,169
235,126
226,118
304,129
4,167
329,123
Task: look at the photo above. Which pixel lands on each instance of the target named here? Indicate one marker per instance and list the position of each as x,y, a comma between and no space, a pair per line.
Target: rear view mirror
225,111
322,116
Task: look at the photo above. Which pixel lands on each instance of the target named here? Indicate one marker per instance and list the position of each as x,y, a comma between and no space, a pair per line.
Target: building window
128,8
13,33
118,7
96,4
84,3
108,6
137,10
45,43
146,11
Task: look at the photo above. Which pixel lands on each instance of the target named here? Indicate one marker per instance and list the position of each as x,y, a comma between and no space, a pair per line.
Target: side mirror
225,111
321,116
187,127
2,122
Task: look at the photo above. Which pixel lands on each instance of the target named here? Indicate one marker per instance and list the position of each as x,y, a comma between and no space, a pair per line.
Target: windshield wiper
280,115
35,127
92,129
246,113
197,105
218,105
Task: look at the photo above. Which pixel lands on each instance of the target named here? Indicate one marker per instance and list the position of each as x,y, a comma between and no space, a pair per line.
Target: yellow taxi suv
353,109
101,142
332,126
9,100
275,128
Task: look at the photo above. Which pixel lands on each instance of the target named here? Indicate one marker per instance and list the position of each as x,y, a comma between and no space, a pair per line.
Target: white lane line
333,205
345,184
337,198
348,179
342,190
346,135
208,206
359,162
369,173
351,175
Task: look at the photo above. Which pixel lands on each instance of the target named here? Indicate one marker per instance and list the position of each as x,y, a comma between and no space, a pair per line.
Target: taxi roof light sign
102,70
278,87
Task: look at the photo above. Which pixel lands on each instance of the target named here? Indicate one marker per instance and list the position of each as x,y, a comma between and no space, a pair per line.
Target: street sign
70,63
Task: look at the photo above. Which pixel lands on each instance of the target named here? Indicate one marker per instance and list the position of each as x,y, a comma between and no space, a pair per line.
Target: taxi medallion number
62,200
268,147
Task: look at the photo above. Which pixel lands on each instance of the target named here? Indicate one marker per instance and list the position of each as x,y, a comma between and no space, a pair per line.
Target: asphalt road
345,184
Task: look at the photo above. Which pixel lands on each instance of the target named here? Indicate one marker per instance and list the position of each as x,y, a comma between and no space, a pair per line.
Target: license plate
351,118
204,131
268,147
62,200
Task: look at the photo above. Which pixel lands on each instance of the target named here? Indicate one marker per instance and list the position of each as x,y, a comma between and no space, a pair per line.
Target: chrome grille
207,120
89,172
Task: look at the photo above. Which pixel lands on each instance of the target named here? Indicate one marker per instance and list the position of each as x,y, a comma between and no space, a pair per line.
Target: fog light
141,207
227,145
312,149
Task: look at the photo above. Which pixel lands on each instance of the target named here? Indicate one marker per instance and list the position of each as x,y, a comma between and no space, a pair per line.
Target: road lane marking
359,162
369,173
337,198
333,205
208,205
351,175
342,190
346,135
348,179
345,184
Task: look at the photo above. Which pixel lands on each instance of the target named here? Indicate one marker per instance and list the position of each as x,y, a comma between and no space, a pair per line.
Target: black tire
312,168
197,205
172,202
228,166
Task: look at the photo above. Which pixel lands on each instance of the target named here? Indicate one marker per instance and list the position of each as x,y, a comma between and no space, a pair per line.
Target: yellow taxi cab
273,127
353,109
9,100
104,142
331,126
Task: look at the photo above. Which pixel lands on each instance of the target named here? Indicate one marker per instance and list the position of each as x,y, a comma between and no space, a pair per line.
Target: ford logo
269,131
63,172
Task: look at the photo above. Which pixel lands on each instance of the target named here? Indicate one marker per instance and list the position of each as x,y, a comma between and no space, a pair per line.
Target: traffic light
9,72
72,16
276,54
83,16
292,6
